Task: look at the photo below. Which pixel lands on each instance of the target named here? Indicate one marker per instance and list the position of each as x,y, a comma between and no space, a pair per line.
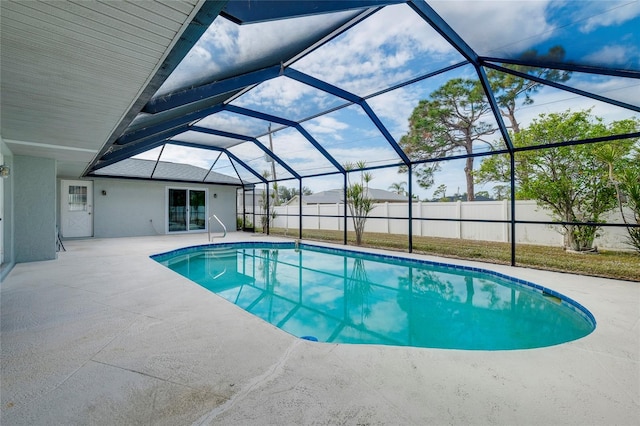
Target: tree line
578,183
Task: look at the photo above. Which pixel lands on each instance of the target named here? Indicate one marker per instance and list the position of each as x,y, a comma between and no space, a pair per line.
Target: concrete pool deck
105,335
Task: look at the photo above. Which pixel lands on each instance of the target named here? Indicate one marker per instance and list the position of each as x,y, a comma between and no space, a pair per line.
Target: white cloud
514,25
286,97
375,53
325,125
255,158
605,14
549,100
323,183
222,38
613,54
618,88
226,46
372,155
223,35
398,28
384,178
303,157
395,108
203,158
152,154
235,123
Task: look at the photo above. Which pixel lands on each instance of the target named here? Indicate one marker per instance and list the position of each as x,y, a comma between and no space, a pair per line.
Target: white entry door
76,209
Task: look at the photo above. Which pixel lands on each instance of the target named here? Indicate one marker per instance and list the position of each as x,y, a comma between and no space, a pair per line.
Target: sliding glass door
186,209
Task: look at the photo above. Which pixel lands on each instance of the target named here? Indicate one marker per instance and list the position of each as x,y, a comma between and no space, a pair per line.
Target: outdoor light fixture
5,171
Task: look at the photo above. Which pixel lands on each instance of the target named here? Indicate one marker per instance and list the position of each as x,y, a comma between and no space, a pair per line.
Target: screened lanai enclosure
529,105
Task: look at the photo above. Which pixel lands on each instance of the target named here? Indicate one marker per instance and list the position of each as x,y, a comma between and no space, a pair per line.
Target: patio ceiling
73,73
297,88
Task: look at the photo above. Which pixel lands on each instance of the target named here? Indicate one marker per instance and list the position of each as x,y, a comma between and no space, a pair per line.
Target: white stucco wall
7,223
34,202
138,208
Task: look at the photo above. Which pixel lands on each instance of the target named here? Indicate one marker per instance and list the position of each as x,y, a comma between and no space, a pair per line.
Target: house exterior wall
8,258
223,206
34,203
137,208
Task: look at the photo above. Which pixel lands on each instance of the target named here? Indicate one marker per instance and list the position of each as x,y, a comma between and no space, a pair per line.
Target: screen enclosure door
186,210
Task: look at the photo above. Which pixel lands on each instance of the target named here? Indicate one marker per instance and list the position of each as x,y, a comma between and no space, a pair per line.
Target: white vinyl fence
394,221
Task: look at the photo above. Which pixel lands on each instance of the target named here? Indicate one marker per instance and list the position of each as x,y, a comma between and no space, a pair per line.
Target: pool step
214,254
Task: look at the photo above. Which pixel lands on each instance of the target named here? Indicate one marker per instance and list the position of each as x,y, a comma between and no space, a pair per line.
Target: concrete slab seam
272,372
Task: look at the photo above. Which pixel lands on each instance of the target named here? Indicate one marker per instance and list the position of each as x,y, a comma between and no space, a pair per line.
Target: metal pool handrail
224,228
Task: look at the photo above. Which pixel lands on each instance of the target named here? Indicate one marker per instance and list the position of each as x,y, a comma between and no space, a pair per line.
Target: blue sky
390,47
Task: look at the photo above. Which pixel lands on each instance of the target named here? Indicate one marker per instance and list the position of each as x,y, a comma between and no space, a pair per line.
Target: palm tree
398,188
358,199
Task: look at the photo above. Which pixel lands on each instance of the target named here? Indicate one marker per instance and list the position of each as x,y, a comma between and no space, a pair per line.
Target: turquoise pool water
350,297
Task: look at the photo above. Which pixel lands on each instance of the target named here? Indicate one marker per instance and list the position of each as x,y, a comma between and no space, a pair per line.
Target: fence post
386,213
459,216
419,217
505,213
286,215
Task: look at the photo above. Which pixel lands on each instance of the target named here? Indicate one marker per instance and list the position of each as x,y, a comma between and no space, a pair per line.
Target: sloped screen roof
303,88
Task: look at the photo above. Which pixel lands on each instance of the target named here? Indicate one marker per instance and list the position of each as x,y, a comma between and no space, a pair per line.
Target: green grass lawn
610,264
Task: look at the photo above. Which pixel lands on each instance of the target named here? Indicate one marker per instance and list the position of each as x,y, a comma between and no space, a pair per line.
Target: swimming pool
344,296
